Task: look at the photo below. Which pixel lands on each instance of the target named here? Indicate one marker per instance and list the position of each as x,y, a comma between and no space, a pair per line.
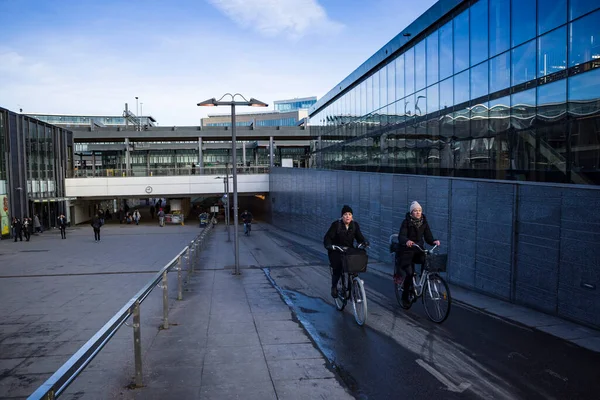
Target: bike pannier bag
355,260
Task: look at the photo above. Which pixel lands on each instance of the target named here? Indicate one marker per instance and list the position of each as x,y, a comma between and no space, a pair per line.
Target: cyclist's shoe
398,279
334,292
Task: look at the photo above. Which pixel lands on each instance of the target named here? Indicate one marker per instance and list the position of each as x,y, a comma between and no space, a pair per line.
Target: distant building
294,104
92,121
258,119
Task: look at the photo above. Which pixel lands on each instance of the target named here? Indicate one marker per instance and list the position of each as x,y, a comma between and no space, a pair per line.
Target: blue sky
92,57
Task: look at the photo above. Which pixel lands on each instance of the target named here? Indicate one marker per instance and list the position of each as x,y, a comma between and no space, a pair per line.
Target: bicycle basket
355,261
437,262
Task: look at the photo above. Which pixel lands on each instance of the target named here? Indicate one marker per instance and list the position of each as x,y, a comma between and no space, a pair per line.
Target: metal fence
185,261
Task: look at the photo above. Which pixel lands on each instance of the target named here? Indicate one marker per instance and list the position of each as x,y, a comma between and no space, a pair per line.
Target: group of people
413,230
27,226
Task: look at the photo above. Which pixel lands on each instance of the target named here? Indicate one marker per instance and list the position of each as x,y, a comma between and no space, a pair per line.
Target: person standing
161,217
26,228
62,225
136,217
17,228
96,224
36,224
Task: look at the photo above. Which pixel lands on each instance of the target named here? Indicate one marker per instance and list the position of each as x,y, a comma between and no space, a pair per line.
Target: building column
200,157
244,156
93,163
271,151
148,172
127,158
319,152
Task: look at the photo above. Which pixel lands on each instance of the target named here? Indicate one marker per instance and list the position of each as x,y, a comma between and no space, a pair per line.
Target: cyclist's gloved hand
329,247
365,244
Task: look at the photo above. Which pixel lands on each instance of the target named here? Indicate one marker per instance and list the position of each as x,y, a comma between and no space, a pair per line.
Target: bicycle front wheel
436,298
359,301
340,300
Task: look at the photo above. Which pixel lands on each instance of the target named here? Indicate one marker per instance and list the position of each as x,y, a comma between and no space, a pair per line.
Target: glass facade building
294,104
495,89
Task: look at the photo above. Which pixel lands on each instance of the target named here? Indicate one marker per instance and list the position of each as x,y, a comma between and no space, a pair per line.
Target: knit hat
346,209
414,205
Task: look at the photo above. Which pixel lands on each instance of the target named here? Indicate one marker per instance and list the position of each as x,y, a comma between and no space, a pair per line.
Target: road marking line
440,377
556,375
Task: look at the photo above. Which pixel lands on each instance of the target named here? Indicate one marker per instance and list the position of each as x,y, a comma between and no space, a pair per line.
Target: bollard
137,344
179,280
165,284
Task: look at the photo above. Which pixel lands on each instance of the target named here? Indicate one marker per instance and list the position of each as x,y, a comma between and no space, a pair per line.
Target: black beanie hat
346,209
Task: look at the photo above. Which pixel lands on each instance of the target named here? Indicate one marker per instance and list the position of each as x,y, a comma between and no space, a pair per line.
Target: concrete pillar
200,157
148,172
244,155
127,158
271,151
93,163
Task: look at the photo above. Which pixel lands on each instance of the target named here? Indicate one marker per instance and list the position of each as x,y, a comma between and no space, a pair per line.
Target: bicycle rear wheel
340,300
399,290
436,298
359,301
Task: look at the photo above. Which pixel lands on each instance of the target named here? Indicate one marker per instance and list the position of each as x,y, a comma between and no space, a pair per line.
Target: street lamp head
257,103
208,103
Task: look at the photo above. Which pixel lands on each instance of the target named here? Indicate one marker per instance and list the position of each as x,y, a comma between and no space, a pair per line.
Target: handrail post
137,343
179,280
165,286
189,256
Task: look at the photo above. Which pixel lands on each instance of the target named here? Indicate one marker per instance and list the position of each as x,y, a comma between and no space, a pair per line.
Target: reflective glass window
552,101
461,41
409,71
433,102
551,14
585,87
420,71
446,93
400,77
479,80
523,63
523,109
369,95
500,114
552,52
420,103
584,39
577,8
522,21
479,31
446,53
461,87
391,82
375,79
499,27
432,58
500,72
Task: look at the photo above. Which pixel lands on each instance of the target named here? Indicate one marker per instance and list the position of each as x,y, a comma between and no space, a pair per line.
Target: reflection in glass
499,27
584,39
500,72
552,101
523,109
420,71
391,82
433,103
499,114
552,52
409,71
420,104
375,79
400,77
461,41
446,93
551,14
479,31
446,53
523,63
369,95
479,120
479,80
584,94
461,87
577,8
432,59
522,21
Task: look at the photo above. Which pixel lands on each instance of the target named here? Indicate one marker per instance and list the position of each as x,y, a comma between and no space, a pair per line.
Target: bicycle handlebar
424,250
343,249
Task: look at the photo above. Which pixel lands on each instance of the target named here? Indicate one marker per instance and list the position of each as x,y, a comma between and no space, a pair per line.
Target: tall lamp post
252,103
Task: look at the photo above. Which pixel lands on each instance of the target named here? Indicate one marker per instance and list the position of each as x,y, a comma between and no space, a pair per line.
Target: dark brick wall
531,244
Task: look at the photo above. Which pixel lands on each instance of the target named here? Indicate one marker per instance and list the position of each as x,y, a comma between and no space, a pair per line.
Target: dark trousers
18,234
63,233
97,233
335,260
405,266
26,234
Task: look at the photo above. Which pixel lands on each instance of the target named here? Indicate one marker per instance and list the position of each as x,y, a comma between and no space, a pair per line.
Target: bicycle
430,286
350,286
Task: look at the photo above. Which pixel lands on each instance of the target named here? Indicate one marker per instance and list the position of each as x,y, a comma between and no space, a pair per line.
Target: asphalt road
401,354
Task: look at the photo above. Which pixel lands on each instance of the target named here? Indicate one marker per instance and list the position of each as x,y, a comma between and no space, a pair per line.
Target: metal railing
68,372
183,171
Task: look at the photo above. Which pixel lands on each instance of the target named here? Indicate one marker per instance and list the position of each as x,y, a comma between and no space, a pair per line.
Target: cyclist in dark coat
342,232
414,229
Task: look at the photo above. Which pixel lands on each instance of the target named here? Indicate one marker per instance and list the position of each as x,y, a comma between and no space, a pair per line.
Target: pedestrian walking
17,228
62,225
161,217
96,224
27,228
136,217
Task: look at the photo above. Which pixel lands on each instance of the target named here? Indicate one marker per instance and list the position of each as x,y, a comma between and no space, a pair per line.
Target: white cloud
294,18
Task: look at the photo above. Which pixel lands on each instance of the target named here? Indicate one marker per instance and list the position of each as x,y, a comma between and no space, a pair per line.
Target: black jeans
405,266
63,233
335,260
97,233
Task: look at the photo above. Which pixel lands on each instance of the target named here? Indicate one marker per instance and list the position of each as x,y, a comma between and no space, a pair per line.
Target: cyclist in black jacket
414,229
342,232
